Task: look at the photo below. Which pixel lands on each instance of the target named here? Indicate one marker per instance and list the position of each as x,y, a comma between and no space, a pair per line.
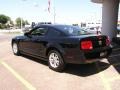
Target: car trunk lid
93,42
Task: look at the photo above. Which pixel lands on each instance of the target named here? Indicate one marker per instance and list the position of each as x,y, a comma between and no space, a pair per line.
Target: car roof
51,25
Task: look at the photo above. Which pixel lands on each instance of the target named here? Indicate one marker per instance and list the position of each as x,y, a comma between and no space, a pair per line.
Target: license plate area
102,54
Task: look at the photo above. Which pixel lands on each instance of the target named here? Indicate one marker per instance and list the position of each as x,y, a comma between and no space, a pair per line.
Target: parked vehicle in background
61,44
94,30
26,29
118,30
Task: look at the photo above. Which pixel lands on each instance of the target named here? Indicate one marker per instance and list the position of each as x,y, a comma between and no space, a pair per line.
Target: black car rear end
101,48
91,49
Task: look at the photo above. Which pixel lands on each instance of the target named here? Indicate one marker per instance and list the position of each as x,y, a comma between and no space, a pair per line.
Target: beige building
109,16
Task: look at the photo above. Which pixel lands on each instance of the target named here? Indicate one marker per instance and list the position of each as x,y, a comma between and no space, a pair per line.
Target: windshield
72,30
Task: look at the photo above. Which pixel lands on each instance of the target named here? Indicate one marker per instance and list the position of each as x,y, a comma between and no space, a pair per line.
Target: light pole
21,24
21,18
53,10
54,14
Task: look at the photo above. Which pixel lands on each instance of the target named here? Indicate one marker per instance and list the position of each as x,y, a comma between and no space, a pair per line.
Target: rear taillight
86,45
107,41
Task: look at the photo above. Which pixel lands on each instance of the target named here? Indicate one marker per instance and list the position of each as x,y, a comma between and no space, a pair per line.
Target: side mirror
27,34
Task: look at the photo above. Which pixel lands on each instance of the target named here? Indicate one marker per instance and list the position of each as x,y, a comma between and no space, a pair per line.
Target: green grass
11,32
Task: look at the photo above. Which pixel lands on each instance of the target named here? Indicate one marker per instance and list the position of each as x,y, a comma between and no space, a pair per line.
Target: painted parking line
116,49
114,78
20,78
117,77
114,55
105,81
116,64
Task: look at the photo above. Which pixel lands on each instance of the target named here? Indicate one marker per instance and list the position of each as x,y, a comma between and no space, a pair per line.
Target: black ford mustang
61,44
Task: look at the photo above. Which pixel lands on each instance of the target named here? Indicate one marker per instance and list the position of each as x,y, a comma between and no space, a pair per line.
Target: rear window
72,30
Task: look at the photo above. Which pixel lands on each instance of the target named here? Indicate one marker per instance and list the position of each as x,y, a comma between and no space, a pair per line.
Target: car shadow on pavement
115,61
85,70
77,69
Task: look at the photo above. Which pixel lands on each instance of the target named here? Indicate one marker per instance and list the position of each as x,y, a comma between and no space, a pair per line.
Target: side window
53,33
39,31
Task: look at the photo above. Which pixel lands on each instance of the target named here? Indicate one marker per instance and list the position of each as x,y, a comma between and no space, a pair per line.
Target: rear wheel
15,48
56,61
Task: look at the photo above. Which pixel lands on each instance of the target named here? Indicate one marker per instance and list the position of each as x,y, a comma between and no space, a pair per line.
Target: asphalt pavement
27,73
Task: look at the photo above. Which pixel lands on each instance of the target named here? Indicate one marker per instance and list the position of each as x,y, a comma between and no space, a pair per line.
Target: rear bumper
81,57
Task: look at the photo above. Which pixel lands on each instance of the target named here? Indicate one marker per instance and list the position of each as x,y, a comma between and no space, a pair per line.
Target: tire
55,61
15,49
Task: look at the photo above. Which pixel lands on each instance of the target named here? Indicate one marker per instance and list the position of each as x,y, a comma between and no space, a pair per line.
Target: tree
4,19
26,22
18,22
11,22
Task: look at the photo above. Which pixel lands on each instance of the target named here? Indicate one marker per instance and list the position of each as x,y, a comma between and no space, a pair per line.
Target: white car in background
94,30
27,28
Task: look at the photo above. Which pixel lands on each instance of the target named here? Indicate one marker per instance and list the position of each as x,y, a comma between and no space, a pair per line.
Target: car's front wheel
15,48
56,61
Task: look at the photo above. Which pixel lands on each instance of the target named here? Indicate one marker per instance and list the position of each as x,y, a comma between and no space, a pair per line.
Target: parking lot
27,73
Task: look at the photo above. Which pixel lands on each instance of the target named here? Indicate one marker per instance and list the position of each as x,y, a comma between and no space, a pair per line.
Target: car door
25,43
38,41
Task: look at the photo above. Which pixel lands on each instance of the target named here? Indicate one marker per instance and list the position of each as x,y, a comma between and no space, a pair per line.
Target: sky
67,11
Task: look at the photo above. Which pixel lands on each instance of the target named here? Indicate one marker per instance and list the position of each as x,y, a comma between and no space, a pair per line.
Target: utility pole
21,18
21,23
54,13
